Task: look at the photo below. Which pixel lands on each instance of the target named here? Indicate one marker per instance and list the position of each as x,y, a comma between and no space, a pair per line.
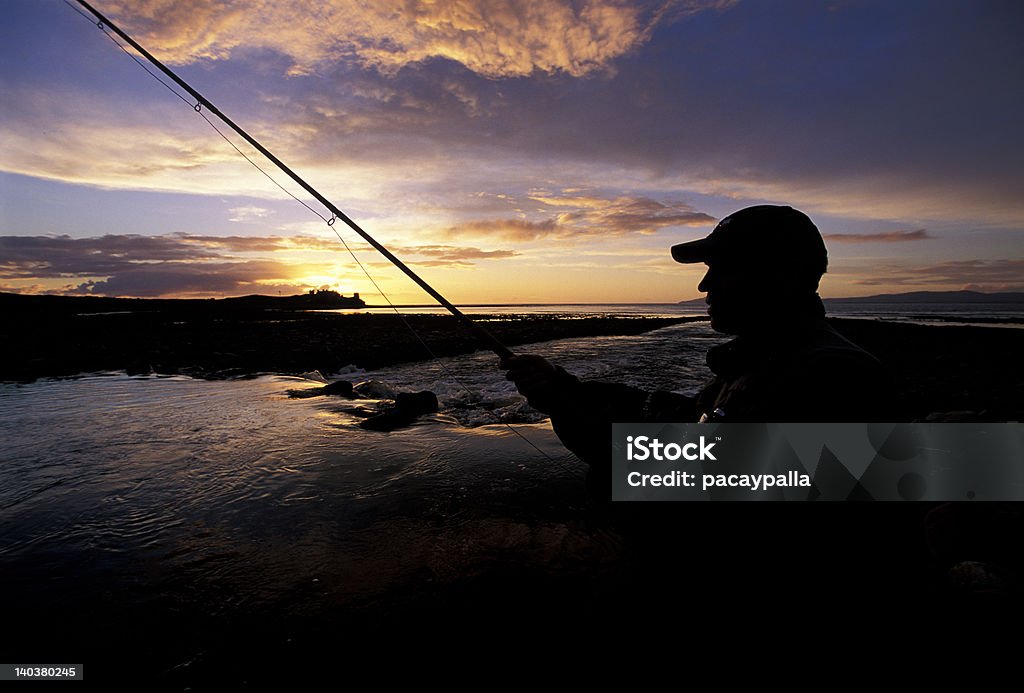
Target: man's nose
705,283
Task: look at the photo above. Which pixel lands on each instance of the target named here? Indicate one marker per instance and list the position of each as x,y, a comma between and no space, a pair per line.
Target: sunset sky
510,151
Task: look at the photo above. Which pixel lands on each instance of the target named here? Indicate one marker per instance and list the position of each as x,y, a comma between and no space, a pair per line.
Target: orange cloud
589,215
495,38
195,265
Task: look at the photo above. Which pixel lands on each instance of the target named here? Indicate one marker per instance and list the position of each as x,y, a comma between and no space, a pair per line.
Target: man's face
733,296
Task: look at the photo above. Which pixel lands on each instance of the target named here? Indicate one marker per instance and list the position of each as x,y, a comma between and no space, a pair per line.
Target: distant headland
968,297
314,299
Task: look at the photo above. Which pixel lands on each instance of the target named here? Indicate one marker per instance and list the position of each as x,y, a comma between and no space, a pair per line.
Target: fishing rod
485,337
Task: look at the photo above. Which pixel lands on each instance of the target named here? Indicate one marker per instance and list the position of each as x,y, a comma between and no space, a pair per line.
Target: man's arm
582,412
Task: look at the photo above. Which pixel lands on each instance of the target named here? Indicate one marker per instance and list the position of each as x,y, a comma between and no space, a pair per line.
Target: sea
926,313
185,521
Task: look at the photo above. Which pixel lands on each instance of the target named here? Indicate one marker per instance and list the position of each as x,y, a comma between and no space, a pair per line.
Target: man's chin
723,326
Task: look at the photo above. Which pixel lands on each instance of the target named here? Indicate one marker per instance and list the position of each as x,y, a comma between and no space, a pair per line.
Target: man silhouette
785,364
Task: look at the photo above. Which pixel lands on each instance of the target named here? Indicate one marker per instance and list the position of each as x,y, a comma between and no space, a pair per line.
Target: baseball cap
760,234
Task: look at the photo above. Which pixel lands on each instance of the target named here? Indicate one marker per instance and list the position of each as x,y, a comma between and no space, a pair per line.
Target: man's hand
535,378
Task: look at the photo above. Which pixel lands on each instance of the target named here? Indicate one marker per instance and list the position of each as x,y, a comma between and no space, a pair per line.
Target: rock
374,389
408,407
424,402
340,388
313,375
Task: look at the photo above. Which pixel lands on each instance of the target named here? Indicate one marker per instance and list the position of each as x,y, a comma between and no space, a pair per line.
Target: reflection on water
217,475
198,500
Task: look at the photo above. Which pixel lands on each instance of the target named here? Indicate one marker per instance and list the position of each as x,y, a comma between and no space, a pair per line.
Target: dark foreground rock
408,407
399,409
947,372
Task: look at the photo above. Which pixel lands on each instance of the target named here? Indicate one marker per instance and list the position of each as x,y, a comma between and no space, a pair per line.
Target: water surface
202,504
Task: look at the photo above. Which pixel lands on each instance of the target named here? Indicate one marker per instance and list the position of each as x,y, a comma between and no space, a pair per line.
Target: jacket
798,373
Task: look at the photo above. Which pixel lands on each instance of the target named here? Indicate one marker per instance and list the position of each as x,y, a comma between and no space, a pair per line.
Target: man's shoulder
823,345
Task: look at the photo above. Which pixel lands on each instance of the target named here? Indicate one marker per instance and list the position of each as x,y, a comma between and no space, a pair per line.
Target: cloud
437,255
588,215
799,109
832,114
183,264
60,256
88,141
451,252
44,256
182,278
77,136
494,38
248,213
514,229
981,275
880,237
451,256
135,265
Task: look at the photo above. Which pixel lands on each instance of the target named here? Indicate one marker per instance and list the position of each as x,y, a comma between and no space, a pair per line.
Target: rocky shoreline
219,344
975,373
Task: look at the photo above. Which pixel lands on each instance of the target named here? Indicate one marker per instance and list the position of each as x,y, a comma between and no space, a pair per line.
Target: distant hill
314,300
936,297
967,297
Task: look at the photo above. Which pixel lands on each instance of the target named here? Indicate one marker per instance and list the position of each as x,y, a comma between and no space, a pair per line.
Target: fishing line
198,108
448,373
485,337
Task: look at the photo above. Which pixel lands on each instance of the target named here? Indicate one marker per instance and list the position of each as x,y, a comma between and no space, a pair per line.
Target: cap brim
694,251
